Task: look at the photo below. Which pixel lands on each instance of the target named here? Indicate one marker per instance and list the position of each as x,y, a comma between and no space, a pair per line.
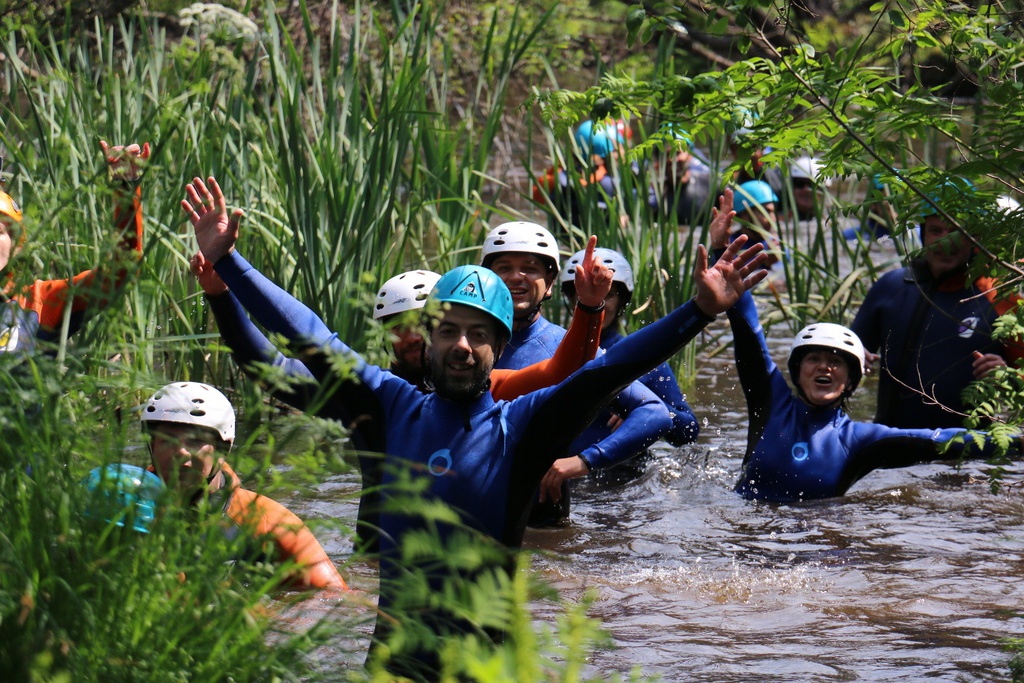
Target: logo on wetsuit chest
967,327
440,463
800,451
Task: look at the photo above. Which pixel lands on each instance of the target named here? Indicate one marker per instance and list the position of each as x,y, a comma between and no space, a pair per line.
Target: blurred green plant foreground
356,155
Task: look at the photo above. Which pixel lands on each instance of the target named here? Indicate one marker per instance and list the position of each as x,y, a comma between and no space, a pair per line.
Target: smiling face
529,280
184,456
463,348
946,251
824,377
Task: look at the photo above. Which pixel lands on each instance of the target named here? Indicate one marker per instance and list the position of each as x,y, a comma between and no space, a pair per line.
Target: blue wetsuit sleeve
866,325
646,419
662,381
249,346
877,446
275,309
759,376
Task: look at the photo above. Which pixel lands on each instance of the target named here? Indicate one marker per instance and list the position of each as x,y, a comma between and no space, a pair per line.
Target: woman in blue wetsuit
661,380
804,446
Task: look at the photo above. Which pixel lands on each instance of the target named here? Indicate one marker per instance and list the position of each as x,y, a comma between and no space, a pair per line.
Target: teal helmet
479,288
951,195
599,140
673,131
123,494
753,192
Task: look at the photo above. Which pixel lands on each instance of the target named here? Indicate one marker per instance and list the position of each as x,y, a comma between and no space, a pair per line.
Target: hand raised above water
721,286
216,231
593,279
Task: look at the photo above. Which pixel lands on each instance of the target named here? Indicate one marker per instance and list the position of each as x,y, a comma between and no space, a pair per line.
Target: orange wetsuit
262,517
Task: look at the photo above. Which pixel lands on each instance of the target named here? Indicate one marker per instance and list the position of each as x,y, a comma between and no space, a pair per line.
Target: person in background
932,326
595,151
35,313
191,427
682,184
754,204
754,168
806,181
126,495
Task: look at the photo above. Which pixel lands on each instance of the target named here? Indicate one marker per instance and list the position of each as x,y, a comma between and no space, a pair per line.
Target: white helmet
520,237
1006,204
405,292
809,168
192,403
615,262
840,339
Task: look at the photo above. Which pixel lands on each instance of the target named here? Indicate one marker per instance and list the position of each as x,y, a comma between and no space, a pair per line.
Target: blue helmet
121,492
479,288
950,195
753,192
600,141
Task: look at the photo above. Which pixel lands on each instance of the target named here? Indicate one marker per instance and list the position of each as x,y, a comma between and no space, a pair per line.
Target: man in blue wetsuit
932,327
662,381
480,458
525,257
805,446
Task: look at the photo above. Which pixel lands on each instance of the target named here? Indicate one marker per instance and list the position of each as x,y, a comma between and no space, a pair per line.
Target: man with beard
481,459
932,326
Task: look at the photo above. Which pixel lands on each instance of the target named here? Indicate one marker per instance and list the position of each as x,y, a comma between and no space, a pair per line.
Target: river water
914,575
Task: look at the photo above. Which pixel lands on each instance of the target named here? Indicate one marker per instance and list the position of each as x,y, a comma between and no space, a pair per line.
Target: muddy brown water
913,575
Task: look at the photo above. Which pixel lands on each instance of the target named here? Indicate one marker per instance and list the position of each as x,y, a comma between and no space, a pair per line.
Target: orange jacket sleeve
577,347
1013,349
264,517
48,298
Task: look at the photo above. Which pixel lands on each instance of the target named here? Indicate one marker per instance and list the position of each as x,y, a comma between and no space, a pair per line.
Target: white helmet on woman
405,292
191,403
520,237
834,337
613,260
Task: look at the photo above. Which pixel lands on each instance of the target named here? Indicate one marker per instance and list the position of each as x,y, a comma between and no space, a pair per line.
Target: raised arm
580,344
93,288
249,346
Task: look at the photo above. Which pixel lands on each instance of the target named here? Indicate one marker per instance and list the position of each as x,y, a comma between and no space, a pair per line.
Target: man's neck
523,323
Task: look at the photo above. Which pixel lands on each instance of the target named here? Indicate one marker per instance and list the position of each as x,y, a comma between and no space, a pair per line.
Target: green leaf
634,22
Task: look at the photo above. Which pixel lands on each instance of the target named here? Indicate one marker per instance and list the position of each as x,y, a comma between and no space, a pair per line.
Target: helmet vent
499,243
197,412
